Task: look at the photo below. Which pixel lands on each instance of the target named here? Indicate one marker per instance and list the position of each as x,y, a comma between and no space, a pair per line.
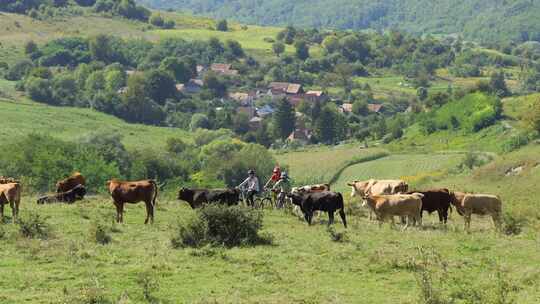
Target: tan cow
388,206
468,204
10,194
133,192
377,187
71,182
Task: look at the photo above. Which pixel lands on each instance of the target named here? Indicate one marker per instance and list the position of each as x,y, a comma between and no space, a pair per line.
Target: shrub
515,142
99,233
222,25
219,225
339,237
150,285
34,226
513,225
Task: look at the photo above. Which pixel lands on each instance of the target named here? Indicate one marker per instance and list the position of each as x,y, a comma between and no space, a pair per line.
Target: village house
223,69
315,96
255,123
265,111
284,88
191,87
244,99
346,108
375,108
300,135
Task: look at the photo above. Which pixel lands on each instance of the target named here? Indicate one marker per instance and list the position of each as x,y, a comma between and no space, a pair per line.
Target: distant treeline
479,20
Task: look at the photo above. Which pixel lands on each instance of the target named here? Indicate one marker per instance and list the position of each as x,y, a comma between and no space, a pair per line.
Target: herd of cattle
384,198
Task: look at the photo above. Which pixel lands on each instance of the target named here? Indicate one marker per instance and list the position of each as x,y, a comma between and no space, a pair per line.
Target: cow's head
79,191
296,198
358,188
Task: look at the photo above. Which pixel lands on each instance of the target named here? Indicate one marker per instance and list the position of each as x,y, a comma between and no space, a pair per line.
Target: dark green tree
222,25
159,86
301,50
498,84
278,48
284,119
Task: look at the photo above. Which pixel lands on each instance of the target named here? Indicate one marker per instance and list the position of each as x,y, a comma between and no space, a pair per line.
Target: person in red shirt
276,175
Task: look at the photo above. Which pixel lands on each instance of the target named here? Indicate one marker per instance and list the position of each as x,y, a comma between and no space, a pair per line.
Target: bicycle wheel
266,202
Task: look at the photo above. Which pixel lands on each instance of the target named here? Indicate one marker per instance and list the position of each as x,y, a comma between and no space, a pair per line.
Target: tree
422,93
156,20
241,123
136,106
331,44
222,25
278,48
30,47
532,118
64,90
100,47
284,119
179,68
360,107
39,89
234,48
214,85
325,127
19,70
498,84
115,80
159,85
199,121
175,145
302,50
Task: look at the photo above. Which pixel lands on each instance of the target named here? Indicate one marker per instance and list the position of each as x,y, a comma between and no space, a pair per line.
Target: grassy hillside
321,164
485,20
376,265
23,117
409,167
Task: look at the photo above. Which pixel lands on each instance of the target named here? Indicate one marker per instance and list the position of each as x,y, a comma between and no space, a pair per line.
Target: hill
23,117
480,20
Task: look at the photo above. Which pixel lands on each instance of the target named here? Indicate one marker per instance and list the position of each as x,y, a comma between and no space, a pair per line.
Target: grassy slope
21,118
319,165
409,167
373,267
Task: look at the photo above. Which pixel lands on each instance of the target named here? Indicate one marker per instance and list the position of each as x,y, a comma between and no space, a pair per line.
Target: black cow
323,201
436,200
197,197
69,197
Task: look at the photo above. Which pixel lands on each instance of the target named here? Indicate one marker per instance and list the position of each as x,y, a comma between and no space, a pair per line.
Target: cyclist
252,185
276,175
284,186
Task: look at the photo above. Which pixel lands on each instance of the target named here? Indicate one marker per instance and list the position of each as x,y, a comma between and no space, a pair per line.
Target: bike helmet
251,172
284,175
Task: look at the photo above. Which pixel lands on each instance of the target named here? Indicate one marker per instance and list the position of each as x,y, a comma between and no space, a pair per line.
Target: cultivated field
24,117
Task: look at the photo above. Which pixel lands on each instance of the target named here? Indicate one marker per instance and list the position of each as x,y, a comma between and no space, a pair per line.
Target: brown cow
133,192
468,204
10,193
387,206
71,182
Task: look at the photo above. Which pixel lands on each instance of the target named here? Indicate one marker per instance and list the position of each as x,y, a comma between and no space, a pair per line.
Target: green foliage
513,225
284,119
302,50
532,116
99,233
43,160
199,121
34,226
221,226
222,25
476,20
19,70
278,48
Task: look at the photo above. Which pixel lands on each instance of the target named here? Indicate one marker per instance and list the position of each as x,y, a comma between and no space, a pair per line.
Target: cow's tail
155,186
342,209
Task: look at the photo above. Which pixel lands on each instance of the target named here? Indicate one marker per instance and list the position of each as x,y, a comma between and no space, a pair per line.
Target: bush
99,233
513,225
34,226
515,142
218,225
339,237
